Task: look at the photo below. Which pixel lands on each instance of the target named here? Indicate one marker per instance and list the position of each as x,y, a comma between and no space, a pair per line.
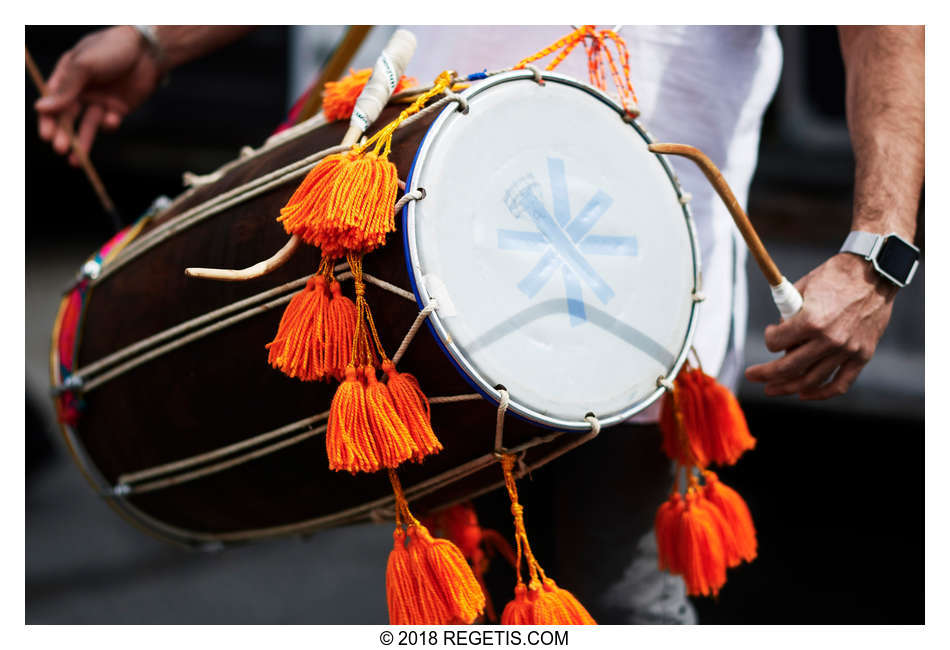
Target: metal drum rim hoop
434,323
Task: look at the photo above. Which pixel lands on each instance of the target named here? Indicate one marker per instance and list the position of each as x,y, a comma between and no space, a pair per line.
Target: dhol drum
549,270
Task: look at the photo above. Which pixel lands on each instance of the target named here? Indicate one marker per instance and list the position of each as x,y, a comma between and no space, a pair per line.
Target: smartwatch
892,256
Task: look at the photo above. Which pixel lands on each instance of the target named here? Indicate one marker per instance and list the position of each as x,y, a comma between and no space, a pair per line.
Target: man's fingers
111,120
87,130
789,367
62,139
817,375
46,126
64,85
787,334
846,375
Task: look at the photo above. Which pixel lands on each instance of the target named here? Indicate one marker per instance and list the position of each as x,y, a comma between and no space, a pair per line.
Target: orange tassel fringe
345,204
412,406
459,524
339,97
702,422
371,425
340,329
541,602
350,442
391,435
299,345
736,514
699,537
428,583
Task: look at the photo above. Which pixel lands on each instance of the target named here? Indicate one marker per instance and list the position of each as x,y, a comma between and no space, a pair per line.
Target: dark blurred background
836,487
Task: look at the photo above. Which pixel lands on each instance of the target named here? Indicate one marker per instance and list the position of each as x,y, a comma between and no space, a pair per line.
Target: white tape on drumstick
389,67
787,298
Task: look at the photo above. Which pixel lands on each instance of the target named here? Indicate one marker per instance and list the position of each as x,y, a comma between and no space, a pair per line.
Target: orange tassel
307,206
712,427
339,97
345,204
564,608
340,329
298,347
392,438
445,582
459,524
430,583
401,596
359,206
518,611
413,409
724,423
666,528
735,512
350,442
703,558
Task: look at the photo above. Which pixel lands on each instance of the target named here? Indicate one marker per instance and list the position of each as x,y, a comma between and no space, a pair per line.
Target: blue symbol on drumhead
562,240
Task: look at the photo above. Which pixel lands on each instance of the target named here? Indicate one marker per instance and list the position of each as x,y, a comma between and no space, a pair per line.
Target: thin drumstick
84,161
785,295
389,68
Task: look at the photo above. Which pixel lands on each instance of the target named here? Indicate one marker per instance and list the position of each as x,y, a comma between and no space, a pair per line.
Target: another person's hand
104,77
847,307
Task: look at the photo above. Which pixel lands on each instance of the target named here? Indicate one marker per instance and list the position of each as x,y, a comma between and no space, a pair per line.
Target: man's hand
109,73
847,307
104,77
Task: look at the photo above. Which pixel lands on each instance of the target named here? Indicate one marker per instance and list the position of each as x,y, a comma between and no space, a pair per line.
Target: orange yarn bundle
541,602
429,582
350,442
459,523
345,204
735,513
703,534
702,422
373,425
412,407
317,323
339,332
339,97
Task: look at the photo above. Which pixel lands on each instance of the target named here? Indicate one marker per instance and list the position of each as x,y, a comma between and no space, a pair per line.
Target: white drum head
557,249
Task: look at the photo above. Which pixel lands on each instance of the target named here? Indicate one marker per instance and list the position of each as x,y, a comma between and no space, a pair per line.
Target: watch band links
860,243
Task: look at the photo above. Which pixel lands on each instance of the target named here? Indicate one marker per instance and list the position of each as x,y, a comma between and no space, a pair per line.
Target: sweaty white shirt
706,86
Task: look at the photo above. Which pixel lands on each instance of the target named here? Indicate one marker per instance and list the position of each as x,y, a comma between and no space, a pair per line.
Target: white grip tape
386,73
787,299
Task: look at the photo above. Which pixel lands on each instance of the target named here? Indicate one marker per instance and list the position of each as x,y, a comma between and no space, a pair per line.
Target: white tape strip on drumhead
562,241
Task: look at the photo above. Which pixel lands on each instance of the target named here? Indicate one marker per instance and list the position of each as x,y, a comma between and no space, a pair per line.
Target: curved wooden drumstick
784,294
389,68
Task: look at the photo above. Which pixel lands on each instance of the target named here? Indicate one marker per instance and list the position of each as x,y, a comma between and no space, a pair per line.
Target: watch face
896,258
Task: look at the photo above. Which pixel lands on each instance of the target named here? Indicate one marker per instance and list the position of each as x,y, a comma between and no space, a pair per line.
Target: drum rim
434,323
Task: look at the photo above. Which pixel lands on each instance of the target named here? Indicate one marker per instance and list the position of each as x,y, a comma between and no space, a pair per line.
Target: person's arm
111,72
847,304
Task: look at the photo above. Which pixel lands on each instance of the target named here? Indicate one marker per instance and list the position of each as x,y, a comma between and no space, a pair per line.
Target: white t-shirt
706,86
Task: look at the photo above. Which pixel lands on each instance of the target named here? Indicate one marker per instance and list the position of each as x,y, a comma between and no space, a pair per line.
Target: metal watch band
154,47
860,243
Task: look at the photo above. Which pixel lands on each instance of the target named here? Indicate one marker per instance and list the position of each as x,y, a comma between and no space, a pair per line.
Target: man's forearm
182,43
885,108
